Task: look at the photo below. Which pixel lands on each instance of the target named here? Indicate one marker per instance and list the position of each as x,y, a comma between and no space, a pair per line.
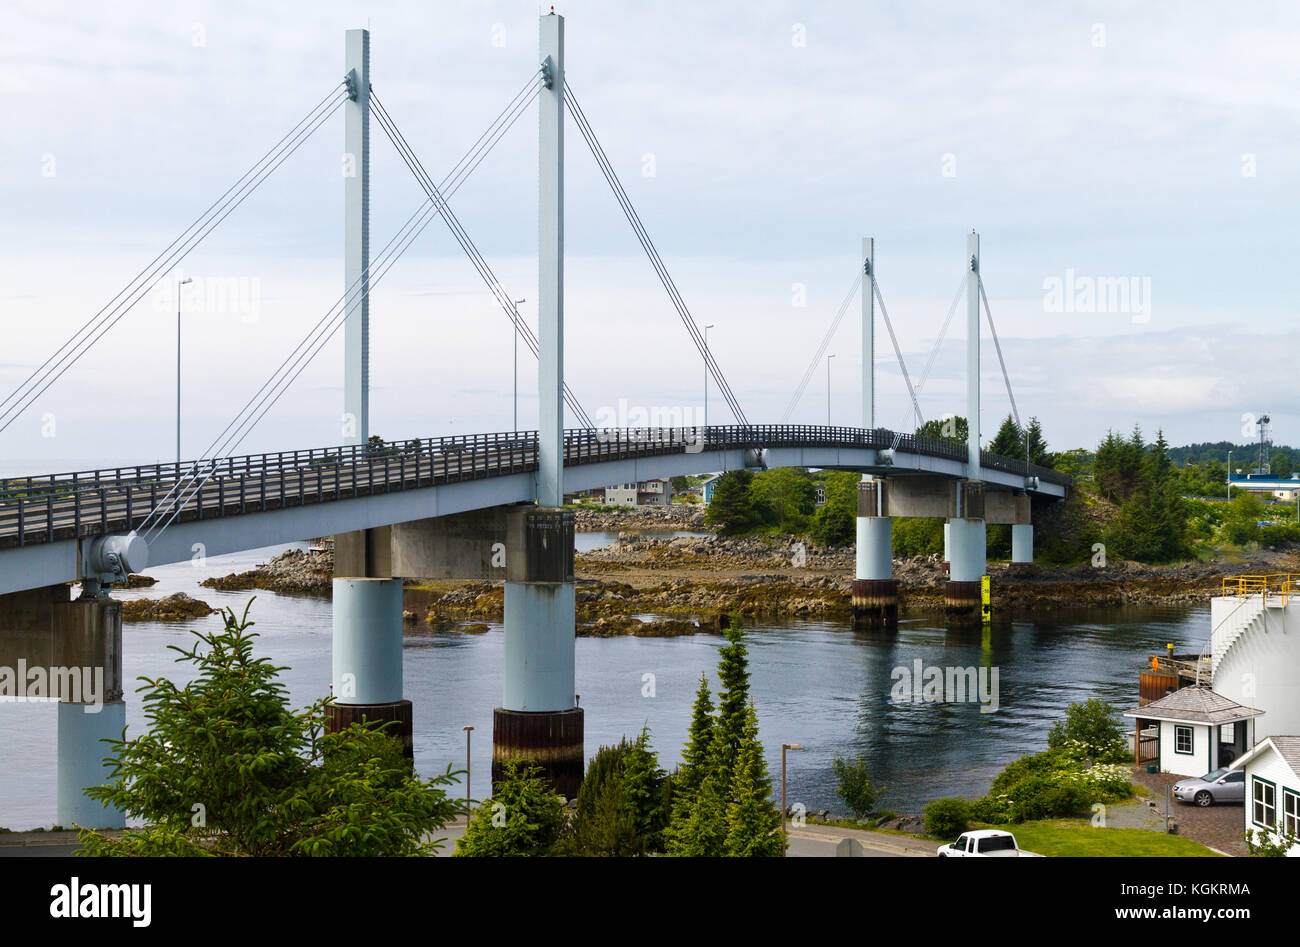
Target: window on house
1263,803
1290,812
1182,739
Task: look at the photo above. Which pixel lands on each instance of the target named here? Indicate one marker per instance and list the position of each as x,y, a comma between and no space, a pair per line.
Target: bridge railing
61,506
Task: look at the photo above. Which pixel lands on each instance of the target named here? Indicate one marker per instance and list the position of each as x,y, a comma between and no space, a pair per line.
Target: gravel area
1219,827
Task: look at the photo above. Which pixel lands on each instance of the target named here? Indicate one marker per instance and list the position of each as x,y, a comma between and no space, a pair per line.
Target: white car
985,843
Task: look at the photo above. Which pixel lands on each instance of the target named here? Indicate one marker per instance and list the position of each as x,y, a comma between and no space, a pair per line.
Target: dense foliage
722,796
623,805
853,785
522,817
228,768
1087,762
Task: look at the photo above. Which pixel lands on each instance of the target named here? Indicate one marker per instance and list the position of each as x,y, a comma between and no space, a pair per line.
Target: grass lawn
1064,837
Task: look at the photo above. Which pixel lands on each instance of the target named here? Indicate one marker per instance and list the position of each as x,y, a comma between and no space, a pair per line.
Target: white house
642,493
1197,730
1273,786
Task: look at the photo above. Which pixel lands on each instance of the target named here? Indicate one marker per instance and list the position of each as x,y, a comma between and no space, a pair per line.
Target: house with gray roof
1196,730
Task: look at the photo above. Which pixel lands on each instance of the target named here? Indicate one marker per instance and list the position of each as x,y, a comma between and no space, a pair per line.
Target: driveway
1219,827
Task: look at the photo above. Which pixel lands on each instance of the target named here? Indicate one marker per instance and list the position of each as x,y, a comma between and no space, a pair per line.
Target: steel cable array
97,325
505,299
189,486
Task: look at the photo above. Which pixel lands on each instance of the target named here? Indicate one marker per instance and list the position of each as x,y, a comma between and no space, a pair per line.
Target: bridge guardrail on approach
119,499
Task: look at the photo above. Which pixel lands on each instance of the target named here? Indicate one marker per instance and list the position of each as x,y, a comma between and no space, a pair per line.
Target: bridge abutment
539,719
51,647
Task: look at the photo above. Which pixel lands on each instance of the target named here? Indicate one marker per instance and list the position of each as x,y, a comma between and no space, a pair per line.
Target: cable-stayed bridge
444,506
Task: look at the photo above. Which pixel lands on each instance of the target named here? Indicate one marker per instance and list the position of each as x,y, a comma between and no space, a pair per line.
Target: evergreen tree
733,702
753,822
523,816
1009,441
644,783
272,782
604,823
690,774
731,511
953,428
1036,445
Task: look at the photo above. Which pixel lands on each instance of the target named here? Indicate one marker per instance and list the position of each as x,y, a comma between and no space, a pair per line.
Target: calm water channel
815,683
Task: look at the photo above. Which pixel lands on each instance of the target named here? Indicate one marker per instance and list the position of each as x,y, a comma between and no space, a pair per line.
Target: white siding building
1197,730
642,493
1273,787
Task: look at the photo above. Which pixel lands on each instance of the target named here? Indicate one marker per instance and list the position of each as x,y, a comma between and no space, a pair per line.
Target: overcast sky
1155,144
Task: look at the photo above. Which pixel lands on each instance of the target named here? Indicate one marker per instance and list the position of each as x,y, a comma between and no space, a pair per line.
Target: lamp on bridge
828,389
706,375
518,303
179,284
784,747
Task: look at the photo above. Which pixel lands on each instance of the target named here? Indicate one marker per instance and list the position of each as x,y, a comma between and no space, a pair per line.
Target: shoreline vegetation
691,583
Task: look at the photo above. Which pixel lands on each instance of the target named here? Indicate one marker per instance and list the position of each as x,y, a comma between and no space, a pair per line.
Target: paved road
813,841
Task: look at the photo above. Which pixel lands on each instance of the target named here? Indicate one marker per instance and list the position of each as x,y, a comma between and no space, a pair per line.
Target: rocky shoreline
695,582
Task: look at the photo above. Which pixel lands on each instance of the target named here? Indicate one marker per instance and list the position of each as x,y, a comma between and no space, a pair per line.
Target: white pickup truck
985,843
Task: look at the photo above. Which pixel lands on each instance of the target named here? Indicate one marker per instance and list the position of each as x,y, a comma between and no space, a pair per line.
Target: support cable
94,328
652,253
306,350
494,285
821,350
934,352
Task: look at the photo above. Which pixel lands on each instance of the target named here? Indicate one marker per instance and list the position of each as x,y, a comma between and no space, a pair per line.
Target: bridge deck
59,509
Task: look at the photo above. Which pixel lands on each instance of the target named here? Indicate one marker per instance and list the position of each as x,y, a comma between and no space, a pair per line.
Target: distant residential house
709,486
819,489
1273,787
641,493
1196,731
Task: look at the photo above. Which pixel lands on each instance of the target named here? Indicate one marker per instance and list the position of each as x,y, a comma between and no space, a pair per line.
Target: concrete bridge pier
539,719
51,647
874,589
1022,542
968,543
367,639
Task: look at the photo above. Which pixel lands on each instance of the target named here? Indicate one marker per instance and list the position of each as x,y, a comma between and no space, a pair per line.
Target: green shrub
1093,723
948,817
522,817
853,784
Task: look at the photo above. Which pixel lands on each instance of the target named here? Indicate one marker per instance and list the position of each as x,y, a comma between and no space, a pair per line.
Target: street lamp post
828,389
518,303
1229,475
784,747
179,284
468,731
706,378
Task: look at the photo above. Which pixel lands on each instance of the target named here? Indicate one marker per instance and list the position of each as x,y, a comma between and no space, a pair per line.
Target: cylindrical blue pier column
539,719
1022,542
367,657
82,730
874,590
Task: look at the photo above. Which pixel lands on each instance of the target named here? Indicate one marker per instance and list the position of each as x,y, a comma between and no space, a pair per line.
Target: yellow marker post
986,600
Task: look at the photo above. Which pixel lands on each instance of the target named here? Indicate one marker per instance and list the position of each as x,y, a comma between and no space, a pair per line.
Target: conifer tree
753,822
